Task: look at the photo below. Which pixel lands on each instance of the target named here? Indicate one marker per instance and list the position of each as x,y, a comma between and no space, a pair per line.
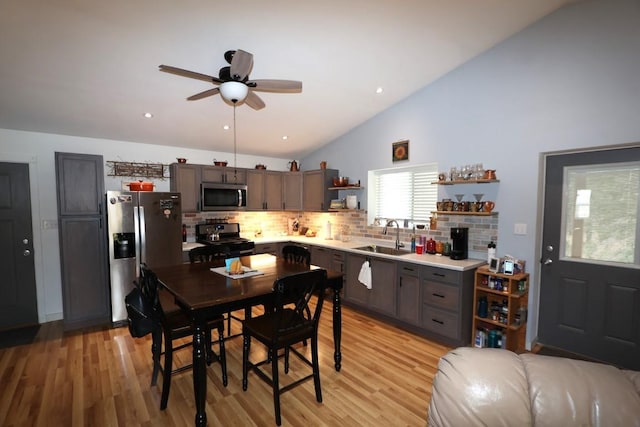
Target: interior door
18,304
590,273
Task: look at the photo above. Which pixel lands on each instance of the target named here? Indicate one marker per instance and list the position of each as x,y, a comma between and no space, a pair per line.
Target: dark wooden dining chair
300,255
209,253
174,324
296,253
283,327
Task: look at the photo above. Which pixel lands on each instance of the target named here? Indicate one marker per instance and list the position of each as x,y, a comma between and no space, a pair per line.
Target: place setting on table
234,269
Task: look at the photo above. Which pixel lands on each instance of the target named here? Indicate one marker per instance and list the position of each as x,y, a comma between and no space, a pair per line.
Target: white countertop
424,259
187,246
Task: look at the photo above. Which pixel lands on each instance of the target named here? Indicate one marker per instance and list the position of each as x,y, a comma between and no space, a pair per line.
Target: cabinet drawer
442,275
440,321
442,296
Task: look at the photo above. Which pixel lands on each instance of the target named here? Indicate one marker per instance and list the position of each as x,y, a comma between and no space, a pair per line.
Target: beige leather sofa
493,387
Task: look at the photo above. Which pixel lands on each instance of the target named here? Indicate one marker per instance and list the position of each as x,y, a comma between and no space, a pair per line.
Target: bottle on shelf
491,251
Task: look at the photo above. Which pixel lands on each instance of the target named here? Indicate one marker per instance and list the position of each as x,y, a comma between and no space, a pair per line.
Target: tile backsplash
482,229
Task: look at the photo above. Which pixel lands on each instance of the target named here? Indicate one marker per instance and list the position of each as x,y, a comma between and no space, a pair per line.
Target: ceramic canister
352,202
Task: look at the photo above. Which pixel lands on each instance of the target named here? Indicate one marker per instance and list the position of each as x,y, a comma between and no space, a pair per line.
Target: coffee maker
460,246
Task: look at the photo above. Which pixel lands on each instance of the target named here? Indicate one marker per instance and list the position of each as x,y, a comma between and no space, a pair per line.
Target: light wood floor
102,377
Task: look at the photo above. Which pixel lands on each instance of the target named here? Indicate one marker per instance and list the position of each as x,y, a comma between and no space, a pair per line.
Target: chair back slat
298,289
208,253
296,254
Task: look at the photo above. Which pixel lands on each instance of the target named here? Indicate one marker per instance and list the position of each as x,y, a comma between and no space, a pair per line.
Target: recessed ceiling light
148,115
285,137
379,90
225,127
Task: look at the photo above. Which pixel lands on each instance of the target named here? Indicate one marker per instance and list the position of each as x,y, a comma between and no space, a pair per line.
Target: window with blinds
405,193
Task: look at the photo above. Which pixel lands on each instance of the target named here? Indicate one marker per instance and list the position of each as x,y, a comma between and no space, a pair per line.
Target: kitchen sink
383,250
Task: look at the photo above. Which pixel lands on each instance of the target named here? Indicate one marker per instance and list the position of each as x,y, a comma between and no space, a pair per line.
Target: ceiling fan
233,81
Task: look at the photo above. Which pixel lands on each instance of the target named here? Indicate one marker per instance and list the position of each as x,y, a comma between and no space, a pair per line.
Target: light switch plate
520,229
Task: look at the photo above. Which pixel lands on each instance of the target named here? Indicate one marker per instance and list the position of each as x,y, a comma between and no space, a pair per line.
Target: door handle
547,261
26,252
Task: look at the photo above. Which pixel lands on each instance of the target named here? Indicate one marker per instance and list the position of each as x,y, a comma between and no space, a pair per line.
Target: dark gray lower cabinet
381,298
447,303
85,288
327,258
433,302
409,304
81,225
354,291
383,293
269,248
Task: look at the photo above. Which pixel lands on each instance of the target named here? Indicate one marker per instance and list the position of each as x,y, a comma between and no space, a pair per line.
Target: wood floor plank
101,377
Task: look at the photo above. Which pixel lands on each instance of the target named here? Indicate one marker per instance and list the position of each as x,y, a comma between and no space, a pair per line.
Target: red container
141,186
431,246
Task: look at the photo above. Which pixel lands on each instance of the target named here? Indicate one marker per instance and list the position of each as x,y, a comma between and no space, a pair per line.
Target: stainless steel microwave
223,197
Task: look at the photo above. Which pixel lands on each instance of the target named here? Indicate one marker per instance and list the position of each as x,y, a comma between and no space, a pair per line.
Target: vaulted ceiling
91,68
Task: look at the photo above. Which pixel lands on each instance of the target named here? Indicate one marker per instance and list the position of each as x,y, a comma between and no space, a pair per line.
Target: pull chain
235,164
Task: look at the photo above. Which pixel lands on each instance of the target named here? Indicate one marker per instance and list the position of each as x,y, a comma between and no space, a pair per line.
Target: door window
600,213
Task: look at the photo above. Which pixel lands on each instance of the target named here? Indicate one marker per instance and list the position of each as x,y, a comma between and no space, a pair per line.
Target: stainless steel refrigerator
143,226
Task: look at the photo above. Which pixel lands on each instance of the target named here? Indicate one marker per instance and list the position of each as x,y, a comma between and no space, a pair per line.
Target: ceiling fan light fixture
234,91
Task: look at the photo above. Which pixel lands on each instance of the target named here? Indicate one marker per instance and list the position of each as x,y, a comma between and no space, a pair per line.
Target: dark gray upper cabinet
225,174
82,234
264,190
316,184
185,179
292,191
80,184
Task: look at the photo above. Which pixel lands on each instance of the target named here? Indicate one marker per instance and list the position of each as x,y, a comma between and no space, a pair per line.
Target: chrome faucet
384,231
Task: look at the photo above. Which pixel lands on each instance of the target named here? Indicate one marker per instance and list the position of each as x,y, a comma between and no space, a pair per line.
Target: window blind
406,193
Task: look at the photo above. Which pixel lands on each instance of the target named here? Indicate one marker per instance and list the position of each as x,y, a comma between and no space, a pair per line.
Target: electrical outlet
520,229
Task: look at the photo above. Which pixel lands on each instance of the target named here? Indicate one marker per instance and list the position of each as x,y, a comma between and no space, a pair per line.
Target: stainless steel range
227,234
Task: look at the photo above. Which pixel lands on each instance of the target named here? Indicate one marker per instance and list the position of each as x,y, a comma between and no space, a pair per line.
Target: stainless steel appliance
460,246
225,234
143,226
219,197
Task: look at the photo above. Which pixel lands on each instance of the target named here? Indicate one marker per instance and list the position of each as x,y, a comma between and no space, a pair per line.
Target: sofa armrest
479,387
494,387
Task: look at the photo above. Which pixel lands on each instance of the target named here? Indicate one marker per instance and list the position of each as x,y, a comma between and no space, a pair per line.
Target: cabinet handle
438,321
407,269
401,282
439,274
438,295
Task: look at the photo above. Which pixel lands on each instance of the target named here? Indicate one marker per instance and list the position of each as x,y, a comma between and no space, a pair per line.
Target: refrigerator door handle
141,234
136,226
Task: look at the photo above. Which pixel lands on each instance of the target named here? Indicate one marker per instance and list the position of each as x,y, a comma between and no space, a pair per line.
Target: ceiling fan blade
254,101
204,94
241,65
266,85
190,74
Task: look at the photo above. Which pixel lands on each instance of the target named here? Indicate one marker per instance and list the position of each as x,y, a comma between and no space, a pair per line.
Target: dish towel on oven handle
365,274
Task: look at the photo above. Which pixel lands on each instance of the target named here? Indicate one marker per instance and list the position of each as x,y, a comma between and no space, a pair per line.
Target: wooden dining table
203,293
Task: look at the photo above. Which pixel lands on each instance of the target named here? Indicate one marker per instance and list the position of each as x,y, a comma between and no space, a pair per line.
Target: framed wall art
400,151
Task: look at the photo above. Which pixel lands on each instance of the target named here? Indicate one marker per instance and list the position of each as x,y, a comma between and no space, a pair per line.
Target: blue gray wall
569,81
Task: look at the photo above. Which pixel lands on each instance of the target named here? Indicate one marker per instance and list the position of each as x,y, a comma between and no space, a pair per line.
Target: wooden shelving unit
347,187
466,181
507,299
465,213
